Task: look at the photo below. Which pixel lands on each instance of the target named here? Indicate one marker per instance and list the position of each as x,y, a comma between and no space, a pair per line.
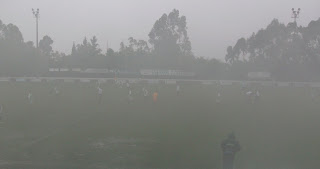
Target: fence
162,81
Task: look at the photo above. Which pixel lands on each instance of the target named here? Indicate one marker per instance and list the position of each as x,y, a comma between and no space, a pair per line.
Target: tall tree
170,40
230,57
94,47
289,52
45,45
12,33
240,48
18,58
2,25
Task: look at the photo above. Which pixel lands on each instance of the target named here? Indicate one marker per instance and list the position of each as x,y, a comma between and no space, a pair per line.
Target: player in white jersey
118,83
99,94
249,96
218,99
56,91
130,97
145,93
178,90
257,96
249,93
257,93
30,97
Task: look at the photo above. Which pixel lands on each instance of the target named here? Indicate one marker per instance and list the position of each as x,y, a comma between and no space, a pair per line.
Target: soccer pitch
72,130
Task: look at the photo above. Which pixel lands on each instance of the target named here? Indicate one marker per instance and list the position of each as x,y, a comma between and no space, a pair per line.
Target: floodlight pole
36,15
295,14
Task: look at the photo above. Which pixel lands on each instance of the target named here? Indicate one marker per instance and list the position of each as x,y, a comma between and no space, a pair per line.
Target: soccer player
130,98
230,147
99,95
249,95
218,99
257,96
178,90
30,98
145,93
115,79
56,91
119,83
155,97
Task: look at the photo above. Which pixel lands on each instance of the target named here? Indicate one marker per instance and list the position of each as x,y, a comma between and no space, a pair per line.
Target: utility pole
36,15
295,14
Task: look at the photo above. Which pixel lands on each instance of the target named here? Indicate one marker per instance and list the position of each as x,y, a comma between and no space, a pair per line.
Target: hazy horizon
213,25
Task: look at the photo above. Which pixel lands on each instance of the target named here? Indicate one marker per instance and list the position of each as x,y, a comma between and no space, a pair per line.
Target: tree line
290,52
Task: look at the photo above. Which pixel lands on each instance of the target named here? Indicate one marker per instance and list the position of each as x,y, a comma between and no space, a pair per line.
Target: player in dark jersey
230,147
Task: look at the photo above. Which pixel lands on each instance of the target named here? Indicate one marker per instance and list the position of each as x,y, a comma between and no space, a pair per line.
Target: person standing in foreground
230,147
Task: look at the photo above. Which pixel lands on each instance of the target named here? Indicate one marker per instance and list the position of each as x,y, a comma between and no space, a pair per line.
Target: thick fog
160,84
213,24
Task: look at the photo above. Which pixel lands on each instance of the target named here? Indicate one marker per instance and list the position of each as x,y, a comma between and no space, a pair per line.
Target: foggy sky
213,24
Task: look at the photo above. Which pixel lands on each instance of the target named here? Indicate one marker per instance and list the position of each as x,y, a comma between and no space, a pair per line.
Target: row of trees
168,47
289,52
21,58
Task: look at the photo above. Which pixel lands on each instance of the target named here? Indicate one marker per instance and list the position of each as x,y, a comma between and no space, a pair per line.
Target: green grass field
72,130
